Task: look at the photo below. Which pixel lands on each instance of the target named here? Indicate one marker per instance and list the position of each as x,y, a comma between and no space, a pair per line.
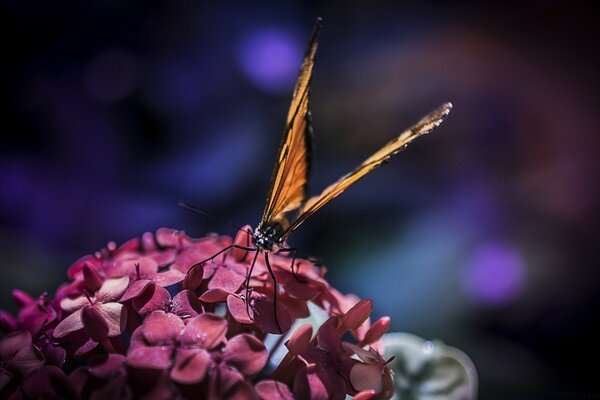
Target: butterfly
287,205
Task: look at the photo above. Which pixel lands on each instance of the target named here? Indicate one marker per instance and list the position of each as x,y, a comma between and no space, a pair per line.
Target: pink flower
100,315
173,321
18,358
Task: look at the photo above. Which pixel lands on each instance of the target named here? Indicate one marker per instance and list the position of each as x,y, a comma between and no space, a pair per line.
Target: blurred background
483,234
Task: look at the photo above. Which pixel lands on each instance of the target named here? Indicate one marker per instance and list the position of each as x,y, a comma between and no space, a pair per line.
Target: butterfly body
268,237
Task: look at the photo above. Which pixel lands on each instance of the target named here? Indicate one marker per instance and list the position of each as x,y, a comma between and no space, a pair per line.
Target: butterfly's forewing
424,126
287,190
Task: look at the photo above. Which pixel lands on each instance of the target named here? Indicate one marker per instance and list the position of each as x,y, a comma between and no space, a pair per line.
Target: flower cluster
150,319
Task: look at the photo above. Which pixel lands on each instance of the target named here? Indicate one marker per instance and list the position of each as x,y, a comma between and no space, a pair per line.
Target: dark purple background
482,234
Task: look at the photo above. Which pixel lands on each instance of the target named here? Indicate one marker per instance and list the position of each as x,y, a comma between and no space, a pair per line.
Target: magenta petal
185,304
73,304
214,295
70,324
12,342
299,289
328,338
226,280
22,298
311,383
168,237
135,289
17,352
168,278
367,377
190,366
85,347
300,339
193,277
107,365
48,382
273,390
377,330
160,327
264,316
246,353
237,309
114,316
77,267
8,323
152,299
206,330
112,289
158,357
365,395
358,314
244,239
91,278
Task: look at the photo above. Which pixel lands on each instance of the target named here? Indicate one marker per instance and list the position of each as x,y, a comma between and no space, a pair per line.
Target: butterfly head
268,236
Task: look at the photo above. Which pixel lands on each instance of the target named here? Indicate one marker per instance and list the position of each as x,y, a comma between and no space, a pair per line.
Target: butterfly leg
221,252
293,251
248,284
274,290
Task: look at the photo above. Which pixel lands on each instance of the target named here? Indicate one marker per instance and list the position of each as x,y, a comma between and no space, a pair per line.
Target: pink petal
226,280
70,324
193,278
115,388
244,239
114,315
91,278
300,339
311,383
190,366
246,353
190,257
8,323
152,299
367,377
112,289
108,365
18,353
273,390
138,267
135,289
168,278
358,314
237,309
77,267
240,390
22,298
364,395
168,237
297,308
301,290
214,295
264,316
48,382
85,347
363,354
328,338
158,357
70,305
377,330
185,304
207,330
160,327
12,342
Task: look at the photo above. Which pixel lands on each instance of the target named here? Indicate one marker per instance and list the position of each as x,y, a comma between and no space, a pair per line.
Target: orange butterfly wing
289,182
424,126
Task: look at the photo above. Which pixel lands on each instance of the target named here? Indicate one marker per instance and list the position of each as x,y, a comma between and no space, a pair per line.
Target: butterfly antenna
189,207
